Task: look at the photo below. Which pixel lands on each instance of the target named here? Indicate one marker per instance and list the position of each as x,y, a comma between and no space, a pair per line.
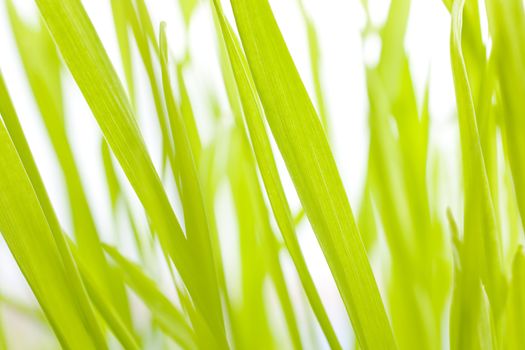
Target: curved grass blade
303,144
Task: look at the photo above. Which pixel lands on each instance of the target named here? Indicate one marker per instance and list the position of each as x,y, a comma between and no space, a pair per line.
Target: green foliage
450,278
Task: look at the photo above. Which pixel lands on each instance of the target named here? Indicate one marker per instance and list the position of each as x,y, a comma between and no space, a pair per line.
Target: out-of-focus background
344,55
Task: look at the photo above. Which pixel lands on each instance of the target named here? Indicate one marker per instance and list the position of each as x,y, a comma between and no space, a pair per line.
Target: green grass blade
301,139
196,220
253,115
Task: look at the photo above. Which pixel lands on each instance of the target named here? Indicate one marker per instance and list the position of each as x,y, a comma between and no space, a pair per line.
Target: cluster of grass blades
455,272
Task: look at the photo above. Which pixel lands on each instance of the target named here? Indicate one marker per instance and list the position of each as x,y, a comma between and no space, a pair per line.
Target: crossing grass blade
303,144
171,319
73,32
253,116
